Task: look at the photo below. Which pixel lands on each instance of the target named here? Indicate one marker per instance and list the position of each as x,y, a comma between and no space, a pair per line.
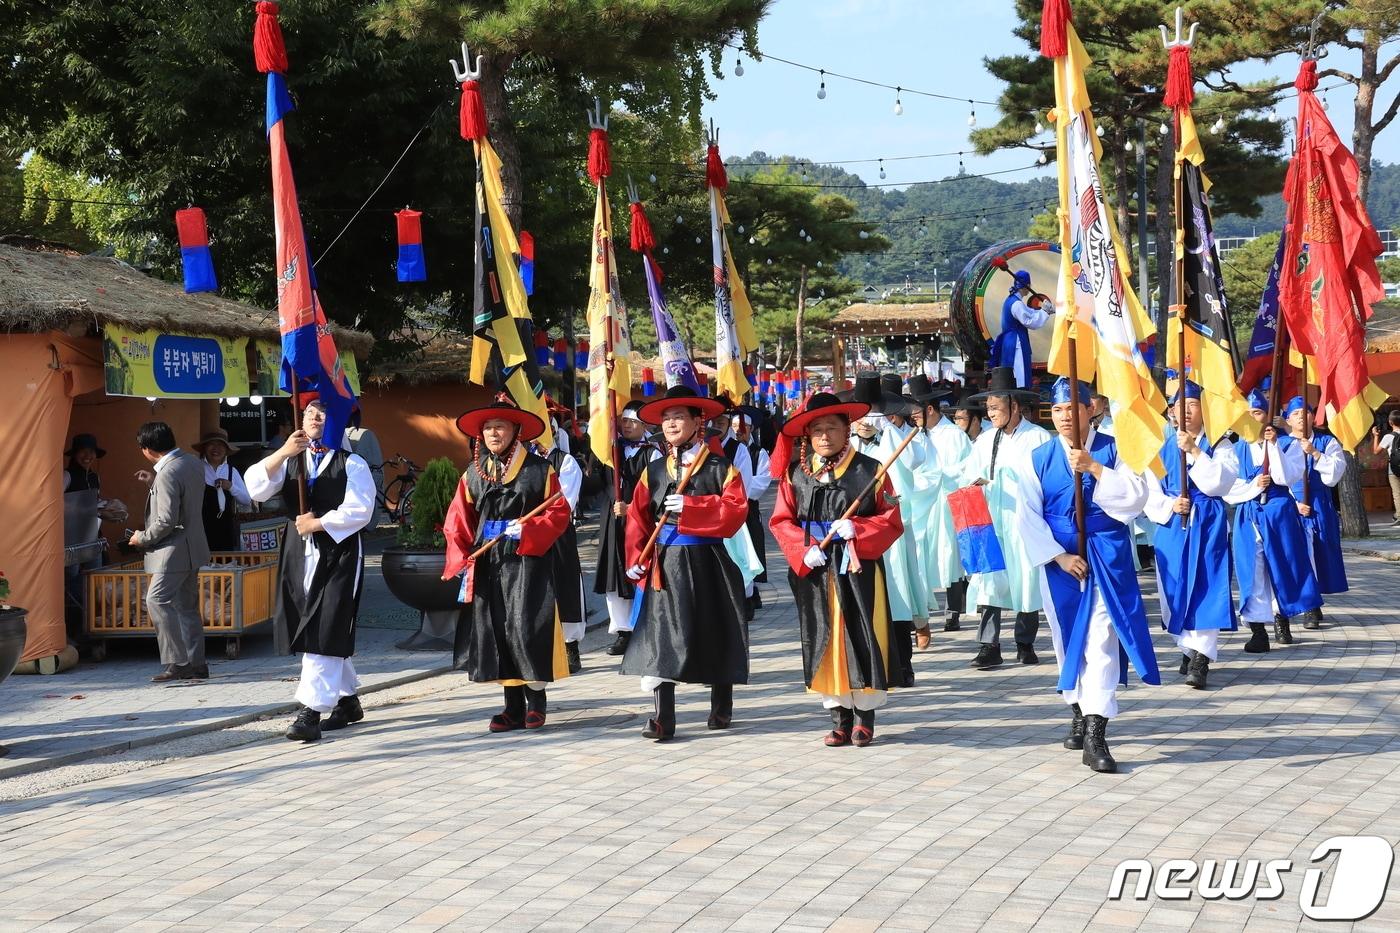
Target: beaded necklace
494,464
828,467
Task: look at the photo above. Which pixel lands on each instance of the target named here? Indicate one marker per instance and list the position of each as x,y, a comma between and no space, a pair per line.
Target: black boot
571,652
663,725
721,706
1312,619
1258,639
347,711
1200,668
534,708
1075,739
307,727
1096,754
952,624
619,645
1185,663
842,719
1283,629
1025,654
864,732
513,716
989,656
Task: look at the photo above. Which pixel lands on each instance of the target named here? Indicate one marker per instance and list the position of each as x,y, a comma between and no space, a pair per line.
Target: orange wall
420,421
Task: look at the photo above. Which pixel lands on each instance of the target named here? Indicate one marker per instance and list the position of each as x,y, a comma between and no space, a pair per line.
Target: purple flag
674,358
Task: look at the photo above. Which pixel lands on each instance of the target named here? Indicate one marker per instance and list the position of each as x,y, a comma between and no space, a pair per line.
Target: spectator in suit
175,548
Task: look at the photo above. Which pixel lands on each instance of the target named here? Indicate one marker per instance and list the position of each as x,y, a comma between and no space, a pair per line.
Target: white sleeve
357,507
1214,473
1031,317
240,489
1333,462
762,479
745,468
1040,545
263,484
1158,507
1241,490
1121,493
1290,462
570,481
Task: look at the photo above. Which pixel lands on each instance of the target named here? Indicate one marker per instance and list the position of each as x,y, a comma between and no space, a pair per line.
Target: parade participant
568,570
848,650
690,626
968,420
321,568
1093,602
224,491
1021,312
1275,576
508,630
998,457
1326,463
878,436
945,449
610,581
1192,540
741,447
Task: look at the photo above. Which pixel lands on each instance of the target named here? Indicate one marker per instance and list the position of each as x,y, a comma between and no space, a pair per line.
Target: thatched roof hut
878,319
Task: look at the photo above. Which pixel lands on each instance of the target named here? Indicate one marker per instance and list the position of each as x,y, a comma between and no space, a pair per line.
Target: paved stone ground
965,813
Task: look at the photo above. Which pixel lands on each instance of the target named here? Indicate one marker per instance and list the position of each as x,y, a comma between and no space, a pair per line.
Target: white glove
844,528
674,502
636,572
513,529
814,557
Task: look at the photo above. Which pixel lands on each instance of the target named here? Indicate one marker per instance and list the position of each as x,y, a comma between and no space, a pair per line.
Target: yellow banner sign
152,364
270,369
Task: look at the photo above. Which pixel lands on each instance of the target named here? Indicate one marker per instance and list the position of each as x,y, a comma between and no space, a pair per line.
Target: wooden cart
237,593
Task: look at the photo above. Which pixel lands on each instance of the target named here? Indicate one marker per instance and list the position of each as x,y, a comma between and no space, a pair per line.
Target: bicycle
399,490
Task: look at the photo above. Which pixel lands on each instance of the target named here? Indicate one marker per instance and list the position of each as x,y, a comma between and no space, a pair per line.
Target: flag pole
600,166
1307,427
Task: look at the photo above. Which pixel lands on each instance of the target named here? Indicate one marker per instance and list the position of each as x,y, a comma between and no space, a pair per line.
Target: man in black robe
610,581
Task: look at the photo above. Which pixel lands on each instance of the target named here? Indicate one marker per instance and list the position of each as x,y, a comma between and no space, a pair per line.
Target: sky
930,45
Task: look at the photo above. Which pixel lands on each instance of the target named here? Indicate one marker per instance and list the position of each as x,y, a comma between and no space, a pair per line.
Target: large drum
983,286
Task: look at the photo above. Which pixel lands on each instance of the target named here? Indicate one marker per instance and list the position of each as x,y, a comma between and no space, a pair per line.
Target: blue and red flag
310,361
978,546
194,250
527,261
411,266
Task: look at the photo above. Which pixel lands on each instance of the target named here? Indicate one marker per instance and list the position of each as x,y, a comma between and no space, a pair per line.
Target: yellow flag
609,374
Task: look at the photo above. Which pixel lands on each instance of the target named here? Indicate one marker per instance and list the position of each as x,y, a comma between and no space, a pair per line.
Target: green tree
1246,272
1366,26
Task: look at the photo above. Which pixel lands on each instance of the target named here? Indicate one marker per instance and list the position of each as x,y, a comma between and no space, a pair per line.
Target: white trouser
649,684
858,699
1096,691
619,614
574,631
1205,642
1259,605
324,680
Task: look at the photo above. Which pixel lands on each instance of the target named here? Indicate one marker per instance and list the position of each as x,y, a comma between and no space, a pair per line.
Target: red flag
1329,280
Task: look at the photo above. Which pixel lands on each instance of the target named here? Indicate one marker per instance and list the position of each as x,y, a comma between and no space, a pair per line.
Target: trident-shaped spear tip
632,196
712,137
466,72
597,119
1190,36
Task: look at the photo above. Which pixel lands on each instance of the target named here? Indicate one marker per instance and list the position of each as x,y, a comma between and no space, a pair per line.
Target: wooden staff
650,547
1307,427
526,517
1275,387
873,484
1076,427
301,473
1183,317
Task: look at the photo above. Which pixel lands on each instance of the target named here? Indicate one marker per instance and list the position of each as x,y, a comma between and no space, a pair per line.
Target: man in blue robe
1192,540
1018,318
1275,576
1097,619
1326,463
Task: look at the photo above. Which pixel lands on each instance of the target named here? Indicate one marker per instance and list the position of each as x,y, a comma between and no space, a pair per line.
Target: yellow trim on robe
832,675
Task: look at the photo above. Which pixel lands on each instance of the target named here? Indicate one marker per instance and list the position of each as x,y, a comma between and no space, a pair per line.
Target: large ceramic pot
415,579
12,633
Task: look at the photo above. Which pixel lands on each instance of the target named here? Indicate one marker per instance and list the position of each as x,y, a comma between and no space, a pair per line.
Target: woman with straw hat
224,491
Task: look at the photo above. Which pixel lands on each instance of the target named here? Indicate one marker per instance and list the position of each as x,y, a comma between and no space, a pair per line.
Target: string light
1099,130
898,104
1164,129
738,67
972,116
802,233
1039,128
821,91
680,219
1218,125
882,168
1128,146
1043,158
652,178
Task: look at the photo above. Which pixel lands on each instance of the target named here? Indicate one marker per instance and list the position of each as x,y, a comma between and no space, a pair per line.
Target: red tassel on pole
473,112
269,51
714,169
1307,76
1054,36
599,155
1180,91
643,239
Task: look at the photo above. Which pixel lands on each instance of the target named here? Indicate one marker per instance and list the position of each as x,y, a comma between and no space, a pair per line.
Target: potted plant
413,567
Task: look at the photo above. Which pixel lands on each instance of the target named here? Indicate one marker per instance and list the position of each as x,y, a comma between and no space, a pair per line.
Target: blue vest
1013,344
1193,560
1112,572
1281,538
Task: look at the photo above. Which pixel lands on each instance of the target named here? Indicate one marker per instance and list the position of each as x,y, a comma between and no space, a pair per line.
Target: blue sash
672,537
492,528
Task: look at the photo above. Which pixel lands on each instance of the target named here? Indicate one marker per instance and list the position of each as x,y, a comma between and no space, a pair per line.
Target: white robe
1285,468
946,448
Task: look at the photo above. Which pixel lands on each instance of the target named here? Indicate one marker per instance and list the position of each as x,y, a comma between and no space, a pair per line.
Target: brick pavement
965,814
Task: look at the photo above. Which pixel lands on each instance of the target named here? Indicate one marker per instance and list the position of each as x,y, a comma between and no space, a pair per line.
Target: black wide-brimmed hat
1003,382
473,421
819,406
923,391
870,390
85,442
680,396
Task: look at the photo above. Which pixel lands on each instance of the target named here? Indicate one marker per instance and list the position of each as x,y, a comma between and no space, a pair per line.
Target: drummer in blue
1097,619
1326,462
1021,313
1275,575
1192,540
